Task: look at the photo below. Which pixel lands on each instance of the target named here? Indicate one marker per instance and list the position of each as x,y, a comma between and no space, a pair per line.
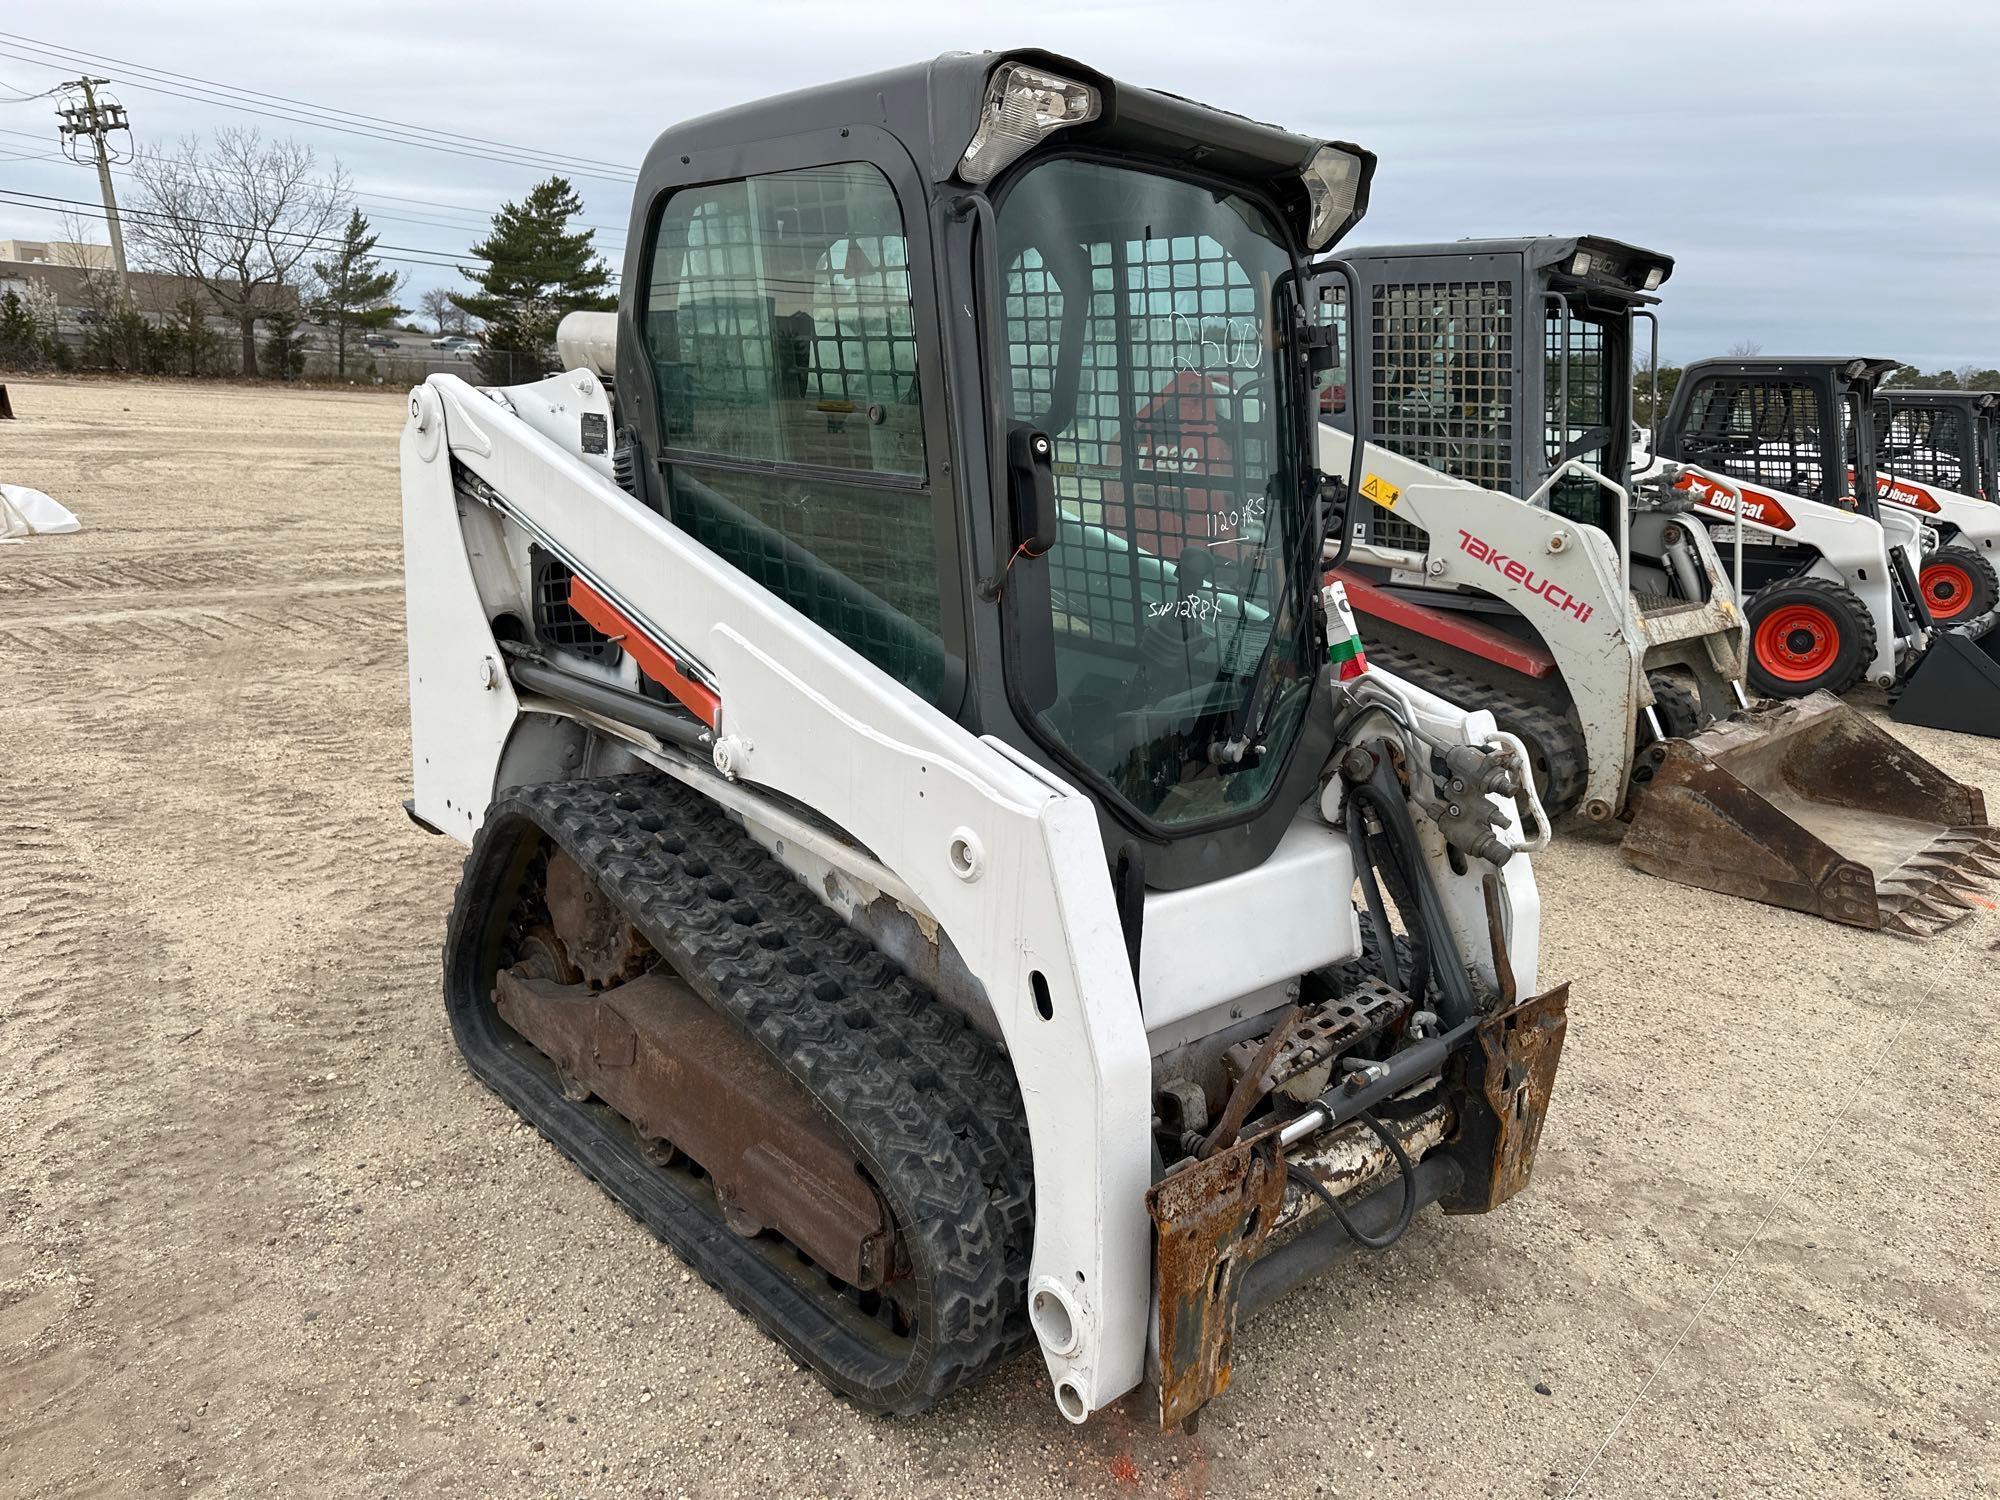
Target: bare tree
1747,349
436,304
239,218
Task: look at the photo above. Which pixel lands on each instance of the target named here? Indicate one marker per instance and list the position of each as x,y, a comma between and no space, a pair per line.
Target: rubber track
1561,740
931,1103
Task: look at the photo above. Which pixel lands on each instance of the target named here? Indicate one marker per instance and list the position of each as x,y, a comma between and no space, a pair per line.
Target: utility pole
94,120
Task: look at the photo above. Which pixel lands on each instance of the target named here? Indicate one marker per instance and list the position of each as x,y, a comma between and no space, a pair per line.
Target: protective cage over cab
1497,361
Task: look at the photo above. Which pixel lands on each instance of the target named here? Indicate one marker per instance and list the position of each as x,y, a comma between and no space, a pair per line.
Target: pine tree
537,269
355,290
284,344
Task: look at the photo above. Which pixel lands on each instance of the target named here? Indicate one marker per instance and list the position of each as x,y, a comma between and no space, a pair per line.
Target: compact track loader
1506,558
1780,454
886,685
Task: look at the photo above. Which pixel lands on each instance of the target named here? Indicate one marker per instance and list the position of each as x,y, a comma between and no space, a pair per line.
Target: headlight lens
1332,178
1023,106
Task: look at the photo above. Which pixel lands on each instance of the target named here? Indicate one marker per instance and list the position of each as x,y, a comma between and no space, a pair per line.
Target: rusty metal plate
1210,1220
1522,1047
654,1051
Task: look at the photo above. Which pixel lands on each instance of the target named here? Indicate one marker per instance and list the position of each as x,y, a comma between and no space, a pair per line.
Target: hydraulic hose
1397,1230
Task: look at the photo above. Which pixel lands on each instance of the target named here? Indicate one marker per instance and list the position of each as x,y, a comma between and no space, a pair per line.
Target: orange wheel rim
1796,642
1947,590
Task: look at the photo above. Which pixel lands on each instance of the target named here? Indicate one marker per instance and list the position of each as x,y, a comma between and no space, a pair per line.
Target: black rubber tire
928,1105
1979,574
1852,639
1675,705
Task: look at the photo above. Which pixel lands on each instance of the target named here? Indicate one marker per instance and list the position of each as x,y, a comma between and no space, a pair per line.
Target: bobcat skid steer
1505,559
914,820
1933,450
1836,575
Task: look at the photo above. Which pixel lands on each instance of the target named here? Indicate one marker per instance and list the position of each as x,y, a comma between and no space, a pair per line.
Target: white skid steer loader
1836,594
1506,559
914,823
1934,452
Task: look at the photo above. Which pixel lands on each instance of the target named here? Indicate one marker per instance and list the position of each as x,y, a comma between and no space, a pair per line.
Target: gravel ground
260,1231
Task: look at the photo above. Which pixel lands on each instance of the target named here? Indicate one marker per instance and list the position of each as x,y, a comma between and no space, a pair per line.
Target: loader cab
1466,338
1941,438
997,369
1803,426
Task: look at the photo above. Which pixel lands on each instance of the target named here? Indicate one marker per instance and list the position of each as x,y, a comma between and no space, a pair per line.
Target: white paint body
804,716
1852,549
1570,586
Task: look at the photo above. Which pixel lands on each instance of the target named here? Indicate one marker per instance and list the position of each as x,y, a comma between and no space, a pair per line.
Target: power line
424,141
327,109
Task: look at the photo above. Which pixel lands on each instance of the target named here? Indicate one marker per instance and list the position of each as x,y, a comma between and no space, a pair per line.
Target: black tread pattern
931,1104
1847,611
1985,581
1550,734
1677,705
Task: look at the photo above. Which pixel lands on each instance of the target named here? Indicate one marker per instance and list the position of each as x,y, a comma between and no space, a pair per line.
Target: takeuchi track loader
915,822
1504,557
1780,453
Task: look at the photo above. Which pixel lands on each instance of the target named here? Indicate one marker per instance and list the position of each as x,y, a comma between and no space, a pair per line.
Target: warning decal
1383,493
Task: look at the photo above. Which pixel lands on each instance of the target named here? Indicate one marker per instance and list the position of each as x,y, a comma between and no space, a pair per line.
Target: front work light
1024,106
1654,277
1332,179
1581,264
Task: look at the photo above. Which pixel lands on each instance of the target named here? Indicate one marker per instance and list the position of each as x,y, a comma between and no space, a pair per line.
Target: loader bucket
1809,805
1955,684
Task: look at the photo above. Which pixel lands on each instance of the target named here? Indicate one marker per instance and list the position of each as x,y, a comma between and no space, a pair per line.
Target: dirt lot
261,1233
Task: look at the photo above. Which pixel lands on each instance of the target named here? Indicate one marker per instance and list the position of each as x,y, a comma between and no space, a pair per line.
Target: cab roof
933,108
1619,266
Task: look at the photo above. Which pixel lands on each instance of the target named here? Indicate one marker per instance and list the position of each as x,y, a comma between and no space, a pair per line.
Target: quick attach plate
1323,1034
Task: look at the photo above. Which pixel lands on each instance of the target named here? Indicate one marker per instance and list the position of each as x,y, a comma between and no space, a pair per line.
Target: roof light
1581,264
1654,277
1023,107
1333,178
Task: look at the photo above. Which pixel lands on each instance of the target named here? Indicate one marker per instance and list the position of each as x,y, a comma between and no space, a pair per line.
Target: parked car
451,341
380,341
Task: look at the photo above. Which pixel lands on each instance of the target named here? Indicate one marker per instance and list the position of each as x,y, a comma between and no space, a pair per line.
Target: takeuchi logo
1515,571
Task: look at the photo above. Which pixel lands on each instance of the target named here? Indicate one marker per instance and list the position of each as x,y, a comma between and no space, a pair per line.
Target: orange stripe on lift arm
652,658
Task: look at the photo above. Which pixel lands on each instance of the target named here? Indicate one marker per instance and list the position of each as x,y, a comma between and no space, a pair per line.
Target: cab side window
782,339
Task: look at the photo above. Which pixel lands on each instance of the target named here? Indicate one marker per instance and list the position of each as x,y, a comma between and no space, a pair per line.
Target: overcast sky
1826,174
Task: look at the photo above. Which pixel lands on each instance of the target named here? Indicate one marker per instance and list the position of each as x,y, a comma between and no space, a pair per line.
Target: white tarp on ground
26,512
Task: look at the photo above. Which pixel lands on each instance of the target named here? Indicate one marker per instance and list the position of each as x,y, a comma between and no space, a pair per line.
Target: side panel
1559,575
462,705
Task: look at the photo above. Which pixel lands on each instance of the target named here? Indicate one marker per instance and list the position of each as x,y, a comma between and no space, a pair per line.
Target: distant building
82,290
56,253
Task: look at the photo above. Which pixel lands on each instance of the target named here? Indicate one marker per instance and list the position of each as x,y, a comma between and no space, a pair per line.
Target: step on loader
914,818
1835,552
1505,557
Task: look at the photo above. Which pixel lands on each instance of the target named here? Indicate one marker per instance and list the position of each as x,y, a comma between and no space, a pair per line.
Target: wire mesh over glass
780,323
1929,444
1137,313
1442,386
1766,430
782,339
1578,408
